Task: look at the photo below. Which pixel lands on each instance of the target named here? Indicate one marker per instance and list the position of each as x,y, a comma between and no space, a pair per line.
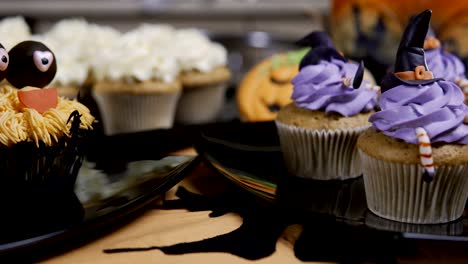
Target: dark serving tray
249,155
121,177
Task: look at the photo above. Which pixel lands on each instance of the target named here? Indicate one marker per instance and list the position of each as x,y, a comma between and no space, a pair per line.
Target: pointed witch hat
322,49
410,66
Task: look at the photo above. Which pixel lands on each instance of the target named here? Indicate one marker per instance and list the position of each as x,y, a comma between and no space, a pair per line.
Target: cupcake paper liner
126,113
320,154
448,229
27,169
201,104
396,191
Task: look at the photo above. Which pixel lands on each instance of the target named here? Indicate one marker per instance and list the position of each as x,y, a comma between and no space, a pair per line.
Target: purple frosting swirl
437,107
444,64
321,87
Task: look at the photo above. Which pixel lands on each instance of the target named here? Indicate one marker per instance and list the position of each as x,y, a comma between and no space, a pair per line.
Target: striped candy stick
425,154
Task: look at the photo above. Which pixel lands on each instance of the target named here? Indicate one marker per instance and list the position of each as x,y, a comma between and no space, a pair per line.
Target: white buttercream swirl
75,44
13,30
195,51
134,56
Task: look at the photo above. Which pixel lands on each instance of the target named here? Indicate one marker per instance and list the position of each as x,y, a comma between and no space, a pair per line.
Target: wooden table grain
160,227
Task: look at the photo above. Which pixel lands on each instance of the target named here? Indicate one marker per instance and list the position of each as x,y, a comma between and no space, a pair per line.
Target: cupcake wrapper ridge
201,104
125,113
397,191
320,154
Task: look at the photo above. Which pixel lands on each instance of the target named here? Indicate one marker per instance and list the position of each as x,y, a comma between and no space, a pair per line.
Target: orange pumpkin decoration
267,87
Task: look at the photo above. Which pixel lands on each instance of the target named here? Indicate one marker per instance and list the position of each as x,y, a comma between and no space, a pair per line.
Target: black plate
248,154
136,165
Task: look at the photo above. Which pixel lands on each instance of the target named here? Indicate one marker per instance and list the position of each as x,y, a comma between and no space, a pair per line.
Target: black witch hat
410,66
322,49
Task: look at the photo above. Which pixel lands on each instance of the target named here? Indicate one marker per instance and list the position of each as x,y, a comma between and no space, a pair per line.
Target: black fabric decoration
23,71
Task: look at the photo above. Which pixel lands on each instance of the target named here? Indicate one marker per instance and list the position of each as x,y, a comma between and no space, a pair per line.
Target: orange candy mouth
40,99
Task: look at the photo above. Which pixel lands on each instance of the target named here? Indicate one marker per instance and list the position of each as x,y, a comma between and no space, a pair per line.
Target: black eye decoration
32,64
4,60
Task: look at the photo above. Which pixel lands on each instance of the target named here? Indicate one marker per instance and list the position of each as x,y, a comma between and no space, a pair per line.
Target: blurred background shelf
290,19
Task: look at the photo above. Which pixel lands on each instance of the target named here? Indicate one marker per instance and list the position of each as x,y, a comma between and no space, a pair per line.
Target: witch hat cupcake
332,102
445,64
415,158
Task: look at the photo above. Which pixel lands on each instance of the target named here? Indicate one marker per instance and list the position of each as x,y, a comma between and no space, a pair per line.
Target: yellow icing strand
19,124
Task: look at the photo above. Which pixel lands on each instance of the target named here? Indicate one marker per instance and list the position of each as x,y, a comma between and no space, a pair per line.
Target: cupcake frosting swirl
322,87
18,124
444,64
437,107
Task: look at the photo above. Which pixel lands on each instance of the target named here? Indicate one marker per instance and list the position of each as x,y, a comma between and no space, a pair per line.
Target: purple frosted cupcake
444,64
415,158
331,106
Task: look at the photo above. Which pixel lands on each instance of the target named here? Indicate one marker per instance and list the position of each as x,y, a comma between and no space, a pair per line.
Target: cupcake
331,106
75,43
444,64
41,135
204,77
136,85
415,158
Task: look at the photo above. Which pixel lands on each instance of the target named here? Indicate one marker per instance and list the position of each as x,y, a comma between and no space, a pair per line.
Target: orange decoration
419,72
39,99
431,43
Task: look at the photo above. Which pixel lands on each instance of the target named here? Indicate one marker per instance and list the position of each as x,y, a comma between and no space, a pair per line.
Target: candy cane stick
425,154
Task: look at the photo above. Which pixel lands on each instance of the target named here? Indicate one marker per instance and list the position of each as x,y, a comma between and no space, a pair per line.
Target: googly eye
43,60
4,59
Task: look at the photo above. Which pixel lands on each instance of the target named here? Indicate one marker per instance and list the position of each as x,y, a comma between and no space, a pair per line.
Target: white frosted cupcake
76,42
14,30
204,77
136,85
318,131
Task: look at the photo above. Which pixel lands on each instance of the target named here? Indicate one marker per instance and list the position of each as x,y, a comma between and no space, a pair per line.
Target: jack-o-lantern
267,87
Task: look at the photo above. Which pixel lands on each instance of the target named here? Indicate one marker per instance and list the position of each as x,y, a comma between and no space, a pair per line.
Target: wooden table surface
166,227
159,227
